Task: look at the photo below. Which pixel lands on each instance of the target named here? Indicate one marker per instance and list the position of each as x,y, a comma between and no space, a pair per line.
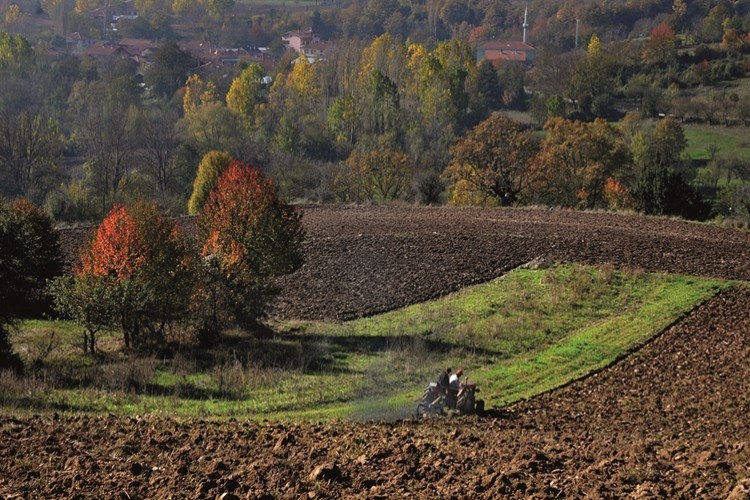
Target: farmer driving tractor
454,384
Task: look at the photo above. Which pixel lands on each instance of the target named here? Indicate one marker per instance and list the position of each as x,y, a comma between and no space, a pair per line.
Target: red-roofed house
495,50
102,51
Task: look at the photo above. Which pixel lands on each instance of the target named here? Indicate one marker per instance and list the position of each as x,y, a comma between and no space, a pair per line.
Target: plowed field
668,421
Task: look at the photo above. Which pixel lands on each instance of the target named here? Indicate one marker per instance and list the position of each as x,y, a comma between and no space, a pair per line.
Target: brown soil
668,421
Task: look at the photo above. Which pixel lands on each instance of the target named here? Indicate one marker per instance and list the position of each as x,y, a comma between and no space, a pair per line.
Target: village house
498,51
298,40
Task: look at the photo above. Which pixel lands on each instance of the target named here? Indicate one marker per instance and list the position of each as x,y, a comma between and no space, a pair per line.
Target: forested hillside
113,102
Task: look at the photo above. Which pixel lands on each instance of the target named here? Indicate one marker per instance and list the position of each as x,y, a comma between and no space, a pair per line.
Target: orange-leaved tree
576,160
249,235
136,272
490,166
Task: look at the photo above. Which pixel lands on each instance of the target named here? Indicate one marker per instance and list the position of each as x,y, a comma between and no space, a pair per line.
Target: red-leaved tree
248,236
135,273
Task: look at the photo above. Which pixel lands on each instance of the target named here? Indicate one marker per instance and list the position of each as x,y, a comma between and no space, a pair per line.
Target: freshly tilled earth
668,421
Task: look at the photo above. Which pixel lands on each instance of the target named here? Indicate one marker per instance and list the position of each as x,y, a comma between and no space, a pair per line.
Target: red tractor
437,402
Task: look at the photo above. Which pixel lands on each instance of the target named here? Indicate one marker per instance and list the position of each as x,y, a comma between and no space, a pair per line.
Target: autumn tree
380,174
490,165
575,161
248,236
661,46
135,273
296,117
436,96
210,169
247,92
197,93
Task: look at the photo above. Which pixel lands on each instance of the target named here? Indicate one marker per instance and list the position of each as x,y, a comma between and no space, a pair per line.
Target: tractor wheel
480,407
468,406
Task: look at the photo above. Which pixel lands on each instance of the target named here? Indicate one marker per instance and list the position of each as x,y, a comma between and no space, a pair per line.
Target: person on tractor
454,383
444,381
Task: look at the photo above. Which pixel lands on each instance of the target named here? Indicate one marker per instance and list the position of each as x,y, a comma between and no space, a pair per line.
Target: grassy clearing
517,336
730,142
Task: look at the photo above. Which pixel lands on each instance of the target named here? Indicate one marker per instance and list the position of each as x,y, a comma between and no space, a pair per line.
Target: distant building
298,40
317,51
105,51
77,43
498,51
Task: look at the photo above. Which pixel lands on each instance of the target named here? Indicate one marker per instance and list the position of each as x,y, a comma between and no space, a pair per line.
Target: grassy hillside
730,142
517,336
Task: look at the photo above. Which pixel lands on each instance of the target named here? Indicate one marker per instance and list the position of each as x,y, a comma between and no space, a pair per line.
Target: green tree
158,143
489,85
15,53
662,191
29,256
667,142
491,164
105,129
212,126
168,70
592,82
88,300
249,235
210,168
246,93
343,120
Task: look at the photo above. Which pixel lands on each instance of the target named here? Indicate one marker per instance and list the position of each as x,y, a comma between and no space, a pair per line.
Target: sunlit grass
517,336
729,142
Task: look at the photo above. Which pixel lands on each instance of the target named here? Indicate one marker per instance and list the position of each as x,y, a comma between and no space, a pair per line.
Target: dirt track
669,421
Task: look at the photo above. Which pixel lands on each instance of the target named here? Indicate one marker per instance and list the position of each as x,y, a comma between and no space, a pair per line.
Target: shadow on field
234,366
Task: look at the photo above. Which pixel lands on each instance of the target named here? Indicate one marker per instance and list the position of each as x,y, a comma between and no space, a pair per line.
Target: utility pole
577,20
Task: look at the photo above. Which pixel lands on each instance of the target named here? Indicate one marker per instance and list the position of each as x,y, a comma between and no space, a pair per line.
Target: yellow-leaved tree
491,164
